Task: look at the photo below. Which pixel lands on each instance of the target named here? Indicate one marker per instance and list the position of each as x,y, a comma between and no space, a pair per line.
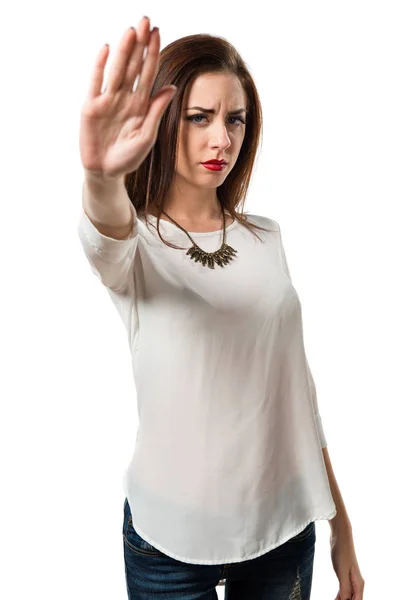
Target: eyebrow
212,111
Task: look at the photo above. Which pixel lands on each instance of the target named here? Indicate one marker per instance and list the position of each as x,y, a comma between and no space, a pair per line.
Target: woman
228,474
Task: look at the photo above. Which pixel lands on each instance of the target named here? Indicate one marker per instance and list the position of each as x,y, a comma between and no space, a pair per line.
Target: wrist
99,177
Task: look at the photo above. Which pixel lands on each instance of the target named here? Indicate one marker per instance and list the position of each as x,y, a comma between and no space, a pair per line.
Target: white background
328,172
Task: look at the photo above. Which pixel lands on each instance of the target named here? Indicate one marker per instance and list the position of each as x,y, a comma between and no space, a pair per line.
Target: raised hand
119,127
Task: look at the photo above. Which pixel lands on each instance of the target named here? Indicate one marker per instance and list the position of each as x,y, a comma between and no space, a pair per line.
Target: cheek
191,149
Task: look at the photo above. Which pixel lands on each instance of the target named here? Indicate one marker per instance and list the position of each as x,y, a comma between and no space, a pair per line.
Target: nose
219,136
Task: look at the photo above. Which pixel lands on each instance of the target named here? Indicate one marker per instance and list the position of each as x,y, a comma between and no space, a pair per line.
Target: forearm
340,522
107,204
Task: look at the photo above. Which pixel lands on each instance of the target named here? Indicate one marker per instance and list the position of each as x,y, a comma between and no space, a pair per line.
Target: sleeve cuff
321,434
109,248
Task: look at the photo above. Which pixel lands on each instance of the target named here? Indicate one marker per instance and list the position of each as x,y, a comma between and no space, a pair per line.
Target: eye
193,117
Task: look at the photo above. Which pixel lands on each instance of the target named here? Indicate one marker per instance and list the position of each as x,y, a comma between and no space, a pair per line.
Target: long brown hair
181,62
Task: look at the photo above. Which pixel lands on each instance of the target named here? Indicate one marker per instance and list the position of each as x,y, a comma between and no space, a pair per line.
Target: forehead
212,89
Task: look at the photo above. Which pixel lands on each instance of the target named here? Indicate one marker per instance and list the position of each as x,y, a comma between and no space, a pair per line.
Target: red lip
215,162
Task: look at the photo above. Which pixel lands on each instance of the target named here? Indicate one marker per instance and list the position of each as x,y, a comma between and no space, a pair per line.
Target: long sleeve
110,259
318,419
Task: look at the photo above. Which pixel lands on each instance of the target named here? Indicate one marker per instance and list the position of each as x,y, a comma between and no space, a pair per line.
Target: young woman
228,473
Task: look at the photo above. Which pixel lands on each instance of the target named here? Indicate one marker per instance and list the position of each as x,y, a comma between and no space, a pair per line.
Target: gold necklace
222,256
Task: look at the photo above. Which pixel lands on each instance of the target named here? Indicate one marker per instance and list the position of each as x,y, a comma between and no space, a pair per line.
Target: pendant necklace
222,256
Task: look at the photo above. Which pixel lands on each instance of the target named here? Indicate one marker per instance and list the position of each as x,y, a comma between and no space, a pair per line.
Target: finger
157,106
124,86
118,68
130,79
96,80
135,61
151,64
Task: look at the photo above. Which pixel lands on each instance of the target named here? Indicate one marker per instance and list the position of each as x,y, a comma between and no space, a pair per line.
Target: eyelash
192,117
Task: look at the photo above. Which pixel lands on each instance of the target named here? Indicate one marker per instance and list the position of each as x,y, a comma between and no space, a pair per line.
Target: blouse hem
224,561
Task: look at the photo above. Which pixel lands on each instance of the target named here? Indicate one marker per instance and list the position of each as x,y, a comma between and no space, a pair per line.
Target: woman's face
205,136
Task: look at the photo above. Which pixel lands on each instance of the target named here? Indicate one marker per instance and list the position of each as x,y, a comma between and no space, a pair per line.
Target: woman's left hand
346,567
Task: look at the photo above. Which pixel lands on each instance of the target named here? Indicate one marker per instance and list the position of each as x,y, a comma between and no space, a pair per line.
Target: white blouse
228,461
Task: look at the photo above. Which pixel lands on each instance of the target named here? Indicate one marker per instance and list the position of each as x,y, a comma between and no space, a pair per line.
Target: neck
192,204
212,218
194,211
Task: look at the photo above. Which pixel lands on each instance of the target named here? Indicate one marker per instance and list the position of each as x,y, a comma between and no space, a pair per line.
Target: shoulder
262,221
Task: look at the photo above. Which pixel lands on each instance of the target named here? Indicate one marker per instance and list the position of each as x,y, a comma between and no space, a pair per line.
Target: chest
252,285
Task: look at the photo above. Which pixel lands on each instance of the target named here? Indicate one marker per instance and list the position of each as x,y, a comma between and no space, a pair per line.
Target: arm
108,206
342,544
343,552
108,232
313,391
340,524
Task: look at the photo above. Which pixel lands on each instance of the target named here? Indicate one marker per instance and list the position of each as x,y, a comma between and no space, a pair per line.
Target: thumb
158,105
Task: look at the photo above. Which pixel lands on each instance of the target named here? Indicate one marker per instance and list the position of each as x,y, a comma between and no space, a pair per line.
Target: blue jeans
284,573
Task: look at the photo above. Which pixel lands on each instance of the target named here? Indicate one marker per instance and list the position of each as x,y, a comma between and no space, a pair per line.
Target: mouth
215,165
